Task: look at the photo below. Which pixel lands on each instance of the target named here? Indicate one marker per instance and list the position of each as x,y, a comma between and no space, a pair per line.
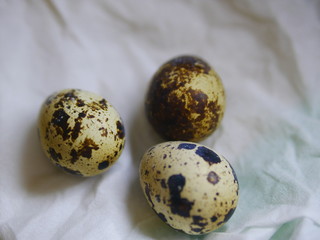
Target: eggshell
185,100
80,132
189,186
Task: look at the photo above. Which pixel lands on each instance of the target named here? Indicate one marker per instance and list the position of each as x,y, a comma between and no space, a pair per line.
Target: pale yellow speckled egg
189,186
80,132
185,100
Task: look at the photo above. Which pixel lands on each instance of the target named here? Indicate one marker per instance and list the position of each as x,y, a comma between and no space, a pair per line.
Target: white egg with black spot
80,132
190,187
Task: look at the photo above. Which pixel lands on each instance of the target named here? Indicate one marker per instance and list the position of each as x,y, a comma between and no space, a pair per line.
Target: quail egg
185,100
189,186
80,132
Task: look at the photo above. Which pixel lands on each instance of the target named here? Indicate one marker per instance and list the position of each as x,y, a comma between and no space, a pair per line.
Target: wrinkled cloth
267,54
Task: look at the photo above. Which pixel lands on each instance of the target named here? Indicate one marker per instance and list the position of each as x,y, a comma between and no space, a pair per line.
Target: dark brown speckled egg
185,100
80,132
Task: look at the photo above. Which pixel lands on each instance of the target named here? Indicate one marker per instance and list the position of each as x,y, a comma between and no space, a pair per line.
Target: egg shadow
143,218
141,137
39,175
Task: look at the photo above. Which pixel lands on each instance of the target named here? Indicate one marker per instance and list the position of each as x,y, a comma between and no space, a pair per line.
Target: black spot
213,219
60,122
158,198
146,172
208,155
163,183
162,217
178,205
213,177
164,156
120,130
188,146
147,191
54,155
103,165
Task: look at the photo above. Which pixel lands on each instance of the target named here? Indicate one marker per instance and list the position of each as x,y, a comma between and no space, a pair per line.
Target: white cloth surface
268,56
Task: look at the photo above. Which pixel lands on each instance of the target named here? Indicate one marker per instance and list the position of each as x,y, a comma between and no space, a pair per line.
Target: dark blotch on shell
104,103
213,219
197,230
213,177
188,146
80,103
54,155
77,126
199,221
60,122
84,151
208,155
120,130
103,165
66,98
178,205
161,216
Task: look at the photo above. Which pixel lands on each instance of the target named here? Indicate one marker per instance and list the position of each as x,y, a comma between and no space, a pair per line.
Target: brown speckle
84,151
80,103
120,130
60,122
104,103
213,177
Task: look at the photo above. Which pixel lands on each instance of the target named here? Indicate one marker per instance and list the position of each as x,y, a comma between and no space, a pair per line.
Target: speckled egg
189,186
80,132
185,100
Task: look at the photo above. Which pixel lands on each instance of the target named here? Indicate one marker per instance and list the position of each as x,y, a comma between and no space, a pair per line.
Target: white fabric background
267,54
